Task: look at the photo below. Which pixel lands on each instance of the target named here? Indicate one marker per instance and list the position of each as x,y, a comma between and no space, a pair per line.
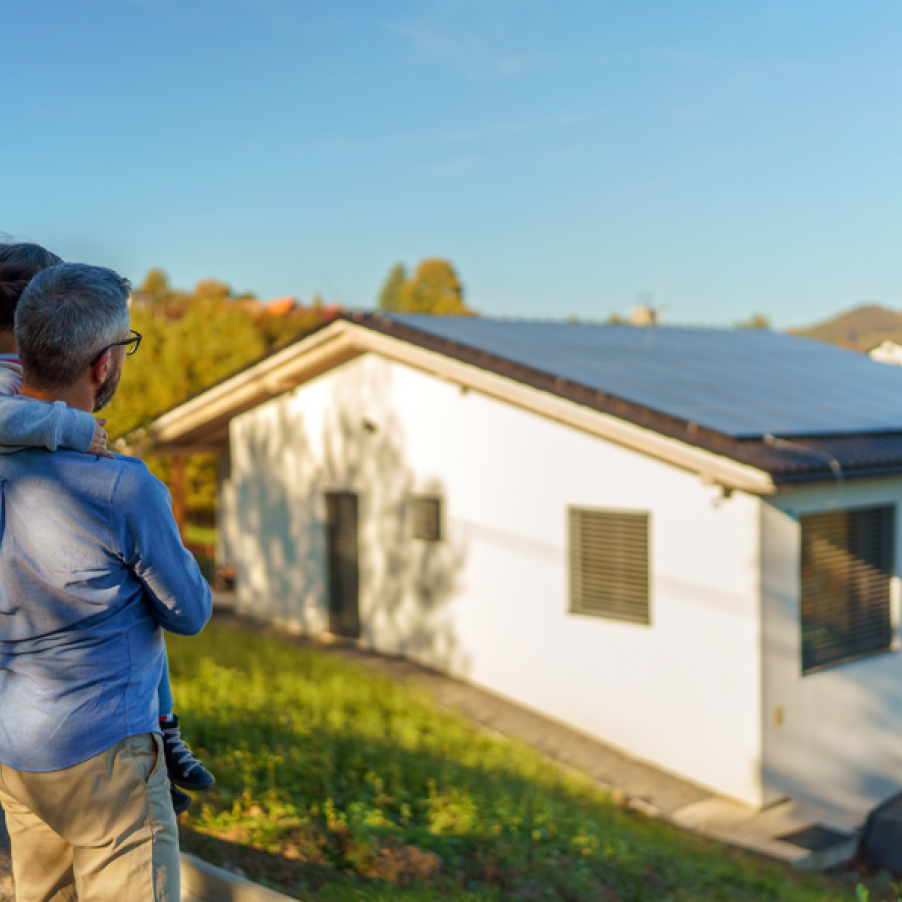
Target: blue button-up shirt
91,568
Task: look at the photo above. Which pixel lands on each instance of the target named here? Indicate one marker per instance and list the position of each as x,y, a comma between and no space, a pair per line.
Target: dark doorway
344,564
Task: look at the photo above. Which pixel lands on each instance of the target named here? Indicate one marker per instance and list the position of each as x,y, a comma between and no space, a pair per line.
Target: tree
434,287
156,284
755,321
191,340
389,297
211,291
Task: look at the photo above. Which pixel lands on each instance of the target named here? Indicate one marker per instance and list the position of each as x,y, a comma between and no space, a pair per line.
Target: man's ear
101,367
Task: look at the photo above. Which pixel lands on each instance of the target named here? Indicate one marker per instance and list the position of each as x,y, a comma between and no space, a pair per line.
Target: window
427,518
847,563
609,564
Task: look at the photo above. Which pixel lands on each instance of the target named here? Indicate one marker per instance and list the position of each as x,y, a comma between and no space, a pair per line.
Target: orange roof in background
281,306
288,304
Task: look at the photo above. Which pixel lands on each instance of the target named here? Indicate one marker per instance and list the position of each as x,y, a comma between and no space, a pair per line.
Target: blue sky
732,158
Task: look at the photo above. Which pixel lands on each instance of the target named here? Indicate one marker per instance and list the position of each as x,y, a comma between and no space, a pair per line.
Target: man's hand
99,442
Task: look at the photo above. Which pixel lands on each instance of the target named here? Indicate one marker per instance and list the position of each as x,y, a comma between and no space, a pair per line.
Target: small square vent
427,518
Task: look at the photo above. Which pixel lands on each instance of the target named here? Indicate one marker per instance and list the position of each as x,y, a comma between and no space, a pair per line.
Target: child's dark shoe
184,769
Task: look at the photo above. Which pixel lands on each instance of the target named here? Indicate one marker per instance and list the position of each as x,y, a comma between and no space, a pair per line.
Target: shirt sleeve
152,547
29,423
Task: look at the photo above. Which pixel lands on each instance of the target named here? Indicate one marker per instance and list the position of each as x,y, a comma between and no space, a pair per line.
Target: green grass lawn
335,784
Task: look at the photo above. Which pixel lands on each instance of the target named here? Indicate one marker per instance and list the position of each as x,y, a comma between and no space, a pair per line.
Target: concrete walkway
791,832
647,787
201,882
659,792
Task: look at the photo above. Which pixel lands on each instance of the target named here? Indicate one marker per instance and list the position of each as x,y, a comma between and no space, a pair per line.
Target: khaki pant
102,831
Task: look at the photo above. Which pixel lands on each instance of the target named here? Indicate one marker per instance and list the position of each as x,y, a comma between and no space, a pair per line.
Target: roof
745,383
281,306
711,400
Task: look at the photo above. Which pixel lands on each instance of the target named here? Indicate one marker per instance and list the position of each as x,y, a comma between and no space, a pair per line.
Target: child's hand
98,443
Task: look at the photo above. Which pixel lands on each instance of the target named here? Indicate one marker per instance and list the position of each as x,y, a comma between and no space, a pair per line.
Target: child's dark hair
19,264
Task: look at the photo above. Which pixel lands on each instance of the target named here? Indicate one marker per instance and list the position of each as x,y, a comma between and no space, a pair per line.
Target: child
52,426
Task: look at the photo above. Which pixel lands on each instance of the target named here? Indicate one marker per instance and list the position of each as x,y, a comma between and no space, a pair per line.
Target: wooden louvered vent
609,564
847,564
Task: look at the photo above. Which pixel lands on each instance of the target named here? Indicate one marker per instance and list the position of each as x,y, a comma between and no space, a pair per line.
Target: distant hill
861,329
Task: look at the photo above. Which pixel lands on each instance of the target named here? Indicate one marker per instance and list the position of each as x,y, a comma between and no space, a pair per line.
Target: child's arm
27,423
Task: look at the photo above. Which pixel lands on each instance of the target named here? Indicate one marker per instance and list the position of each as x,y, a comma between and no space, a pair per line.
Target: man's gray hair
66,316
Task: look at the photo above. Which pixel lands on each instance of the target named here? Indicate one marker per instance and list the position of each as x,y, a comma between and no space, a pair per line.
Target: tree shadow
279,543
285,458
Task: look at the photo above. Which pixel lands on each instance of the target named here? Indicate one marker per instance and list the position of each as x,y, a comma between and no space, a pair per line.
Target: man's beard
106,391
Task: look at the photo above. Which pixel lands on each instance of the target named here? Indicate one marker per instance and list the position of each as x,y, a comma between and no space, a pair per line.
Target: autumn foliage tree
433,287
193,339
390,296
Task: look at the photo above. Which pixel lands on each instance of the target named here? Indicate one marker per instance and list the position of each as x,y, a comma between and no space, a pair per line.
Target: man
91,568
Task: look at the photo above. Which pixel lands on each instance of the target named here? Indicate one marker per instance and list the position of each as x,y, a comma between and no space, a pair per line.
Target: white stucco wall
225,520
490,603
840,740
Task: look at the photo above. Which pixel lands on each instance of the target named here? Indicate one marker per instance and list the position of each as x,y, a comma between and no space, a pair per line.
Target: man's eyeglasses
131,345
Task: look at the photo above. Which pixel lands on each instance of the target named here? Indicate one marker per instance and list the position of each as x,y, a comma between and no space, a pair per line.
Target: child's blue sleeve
27,423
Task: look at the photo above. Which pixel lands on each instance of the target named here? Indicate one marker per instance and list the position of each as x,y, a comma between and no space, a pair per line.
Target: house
681,541
888,352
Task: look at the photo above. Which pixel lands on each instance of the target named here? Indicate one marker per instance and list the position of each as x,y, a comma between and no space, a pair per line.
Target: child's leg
181,801
164,689
184,769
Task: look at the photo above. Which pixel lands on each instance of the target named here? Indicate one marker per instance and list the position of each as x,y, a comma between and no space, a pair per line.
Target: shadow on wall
407,584
281,546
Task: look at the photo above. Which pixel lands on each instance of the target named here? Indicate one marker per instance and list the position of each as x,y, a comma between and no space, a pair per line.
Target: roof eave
848,474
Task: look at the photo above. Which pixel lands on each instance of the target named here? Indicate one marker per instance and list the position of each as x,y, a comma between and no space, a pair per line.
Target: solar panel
742,382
